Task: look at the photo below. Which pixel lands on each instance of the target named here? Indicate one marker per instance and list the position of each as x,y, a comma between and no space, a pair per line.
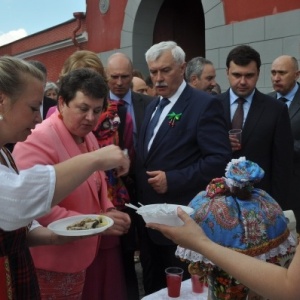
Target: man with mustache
187,148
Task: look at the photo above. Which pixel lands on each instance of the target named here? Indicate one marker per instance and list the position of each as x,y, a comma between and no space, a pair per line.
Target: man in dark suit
47,103
119,72
200,73
188,148
284,76
266,131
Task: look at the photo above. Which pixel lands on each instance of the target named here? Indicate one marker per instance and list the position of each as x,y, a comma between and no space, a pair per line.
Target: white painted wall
271,36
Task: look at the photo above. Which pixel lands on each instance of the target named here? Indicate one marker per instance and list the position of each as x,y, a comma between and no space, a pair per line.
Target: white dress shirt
173,99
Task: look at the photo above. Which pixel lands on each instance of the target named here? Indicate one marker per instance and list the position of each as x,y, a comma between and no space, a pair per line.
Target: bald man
139,85
284,76
119,72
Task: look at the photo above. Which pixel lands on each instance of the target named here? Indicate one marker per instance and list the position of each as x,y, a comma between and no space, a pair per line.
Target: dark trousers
155,259
297,216
128,246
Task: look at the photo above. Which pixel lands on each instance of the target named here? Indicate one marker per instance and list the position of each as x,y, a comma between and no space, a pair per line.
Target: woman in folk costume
236,215
28,194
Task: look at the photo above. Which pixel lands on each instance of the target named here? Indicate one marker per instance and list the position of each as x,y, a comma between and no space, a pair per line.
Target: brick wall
103,30
53,60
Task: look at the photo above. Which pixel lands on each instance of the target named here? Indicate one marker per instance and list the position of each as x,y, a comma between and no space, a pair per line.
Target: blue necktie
153,122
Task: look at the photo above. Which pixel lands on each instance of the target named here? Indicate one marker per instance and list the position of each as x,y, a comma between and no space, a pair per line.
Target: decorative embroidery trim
6,291
8,279
11,161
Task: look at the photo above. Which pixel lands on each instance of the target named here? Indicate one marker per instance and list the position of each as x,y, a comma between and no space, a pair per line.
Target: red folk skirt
18,279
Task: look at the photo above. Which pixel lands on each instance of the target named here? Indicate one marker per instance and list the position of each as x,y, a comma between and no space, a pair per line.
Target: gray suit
293,198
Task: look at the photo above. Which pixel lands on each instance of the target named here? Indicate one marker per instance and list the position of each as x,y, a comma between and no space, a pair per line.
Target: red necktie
238,117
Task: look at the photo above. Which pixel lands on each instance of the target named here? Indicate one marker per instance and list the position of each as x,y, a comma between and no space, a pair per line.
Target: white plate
60,226
163,213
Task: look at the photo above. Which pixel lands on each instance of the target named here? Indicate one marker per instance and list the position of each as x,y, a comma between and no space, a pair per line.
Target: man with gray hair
201,74
182,145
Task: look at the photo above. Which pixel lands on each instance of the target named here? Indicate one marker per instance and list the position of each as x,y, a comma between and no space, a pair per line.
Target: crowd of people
68,159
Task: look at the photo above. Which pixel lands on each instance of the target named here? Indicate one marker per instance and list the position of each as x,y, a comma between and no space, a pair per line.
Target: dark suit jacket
139,102
293,199
266,140
47,103
191,153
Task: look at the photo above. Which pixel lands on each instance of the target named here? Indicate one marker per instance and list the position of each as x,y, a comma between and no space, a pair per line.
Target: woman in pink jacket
67,133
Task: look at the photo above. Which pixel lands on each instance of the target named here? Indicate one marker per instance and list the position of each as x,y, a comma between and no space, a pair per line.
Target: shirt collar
289,96
126,98
233,96
174,97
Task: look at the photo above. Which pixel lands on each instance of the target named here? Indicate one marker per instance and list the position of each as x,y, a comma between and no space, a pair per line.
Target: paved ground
138,269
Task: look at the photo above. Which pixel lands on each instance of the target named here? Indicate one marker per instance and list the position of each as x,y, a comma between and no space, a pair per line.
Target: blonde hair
83,59
14,76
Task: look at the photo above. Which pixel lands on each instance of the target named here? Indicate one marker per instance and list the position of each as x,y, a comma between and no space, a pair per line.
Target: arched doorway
182,22
149,22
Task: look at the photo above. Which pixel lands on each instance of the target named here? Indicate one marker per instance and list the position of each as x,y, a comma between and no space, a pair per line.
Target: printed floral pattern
217,187
224,287
239,224
236,215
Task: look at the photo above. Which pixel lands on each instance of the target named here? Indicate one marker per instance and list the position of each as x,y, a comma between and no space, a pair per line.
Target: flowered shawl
254,224
107,133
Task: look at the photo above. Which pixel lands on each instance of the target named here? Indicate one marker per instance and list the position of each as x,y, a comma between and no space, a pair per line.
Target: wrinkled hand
235,144
158,181
184,235
121,225
112,157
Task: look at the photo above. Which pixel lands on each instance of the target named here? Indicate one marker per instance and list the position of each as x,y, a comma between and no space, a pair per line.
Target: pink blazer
51,143
51,111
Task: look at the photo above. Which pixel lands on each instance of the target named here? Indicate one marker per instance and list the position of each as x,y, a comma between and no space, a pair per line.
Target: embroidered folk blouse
24,196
